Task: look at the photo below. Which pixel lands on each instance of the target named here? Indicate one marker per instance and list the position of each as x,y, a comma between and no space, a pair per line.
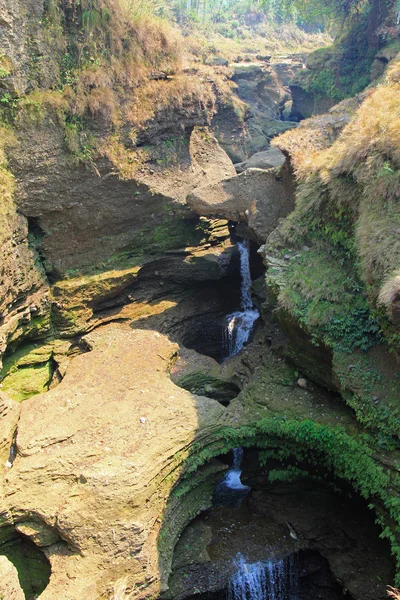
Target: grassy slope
342,283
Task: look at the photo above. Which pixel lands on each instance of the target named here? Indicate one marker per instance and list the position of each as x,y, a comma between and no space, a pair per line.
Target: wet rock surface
340,553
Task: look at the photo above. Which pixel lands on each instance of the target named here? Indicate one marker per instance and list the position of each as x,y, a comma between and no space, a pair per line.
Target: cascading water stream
240,323
263,580
232,478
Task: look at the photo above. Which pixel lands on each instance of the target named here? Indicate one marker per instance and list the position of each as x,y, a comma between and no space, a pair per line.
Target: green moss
331,447
322,292
32,566
28,371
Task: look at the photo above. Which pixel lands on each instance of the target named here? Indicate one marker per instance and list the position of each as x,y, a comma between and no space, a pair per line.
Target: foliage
355,177
322,292
329,447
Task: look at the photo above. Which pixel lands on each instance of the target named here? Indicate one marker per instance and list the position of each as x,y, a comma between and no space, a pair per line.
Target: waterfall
240,324
232,478
263,580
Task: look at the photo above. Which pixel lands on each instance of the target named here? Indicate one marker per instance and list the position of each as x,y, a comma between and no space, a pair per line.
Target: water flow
263,580
240,323
232,478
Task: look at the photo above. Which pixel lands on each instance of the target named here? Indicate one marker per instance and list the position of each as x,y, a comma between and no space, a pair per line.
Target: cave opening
307,537
31,563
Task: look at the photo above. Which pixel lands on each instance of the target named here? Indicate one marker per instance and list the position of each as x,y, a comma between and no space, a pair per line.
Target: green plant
328,447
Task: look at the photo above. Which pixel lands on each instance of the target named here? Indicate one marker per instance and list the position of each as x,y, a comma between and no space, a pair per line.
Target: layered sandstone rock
90,219
257,198
97,458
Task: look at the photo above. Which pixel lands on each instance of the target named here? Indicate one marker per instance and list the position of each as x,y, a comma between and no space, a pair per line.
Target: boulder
217,61
97,459
268,159
260,89
255,197
318,59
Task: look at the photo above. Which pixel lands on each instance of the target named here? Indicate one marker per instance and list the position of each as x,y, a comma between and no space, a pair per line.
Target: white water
240,324
232,478
263,580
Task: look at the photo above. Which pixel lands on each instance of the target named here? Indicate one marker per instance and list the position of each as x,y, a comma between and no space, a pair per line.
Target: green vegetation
28,371
328,447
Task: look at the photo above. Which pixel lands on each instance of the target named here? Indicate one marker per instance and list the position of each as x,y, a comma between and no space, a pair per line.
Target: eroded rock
97,476
9,584
89,219
256,197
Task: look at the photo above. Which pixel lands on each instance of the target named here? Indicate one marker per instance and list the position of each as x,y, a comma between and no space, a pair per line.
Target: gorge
199,308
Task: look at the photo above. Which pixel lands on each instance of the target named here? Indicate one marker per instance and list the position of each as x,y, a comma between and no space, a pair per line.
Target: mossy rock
203,384
28,381
28,371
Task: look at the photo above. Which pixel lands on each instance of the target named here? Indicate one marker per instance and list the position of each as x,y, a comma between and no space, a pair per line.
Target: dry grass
126,161
266,38
349,160
393,593
176,93
390,291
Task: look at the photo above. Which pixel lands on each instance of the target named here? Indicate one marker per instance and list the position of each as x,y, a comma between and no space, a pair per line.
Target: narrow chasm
206,365
199,300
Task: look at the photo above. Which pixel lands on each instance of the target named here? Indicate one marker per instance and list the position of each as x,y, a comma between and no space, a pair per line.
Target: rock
305,104
242,135
82,303
23,286
317,60
259,192
378,68
264,57
268,159
39,534
10,588
286,70
302,383
16,33
9,414
203,376
106,218
92,473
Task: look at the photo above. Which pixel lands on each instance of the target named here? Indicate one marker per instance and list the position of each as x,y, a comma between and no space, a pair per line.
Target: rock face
256,197
287,67
24,293
9,584
84,220
97,460
292,520
264,96
21,38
